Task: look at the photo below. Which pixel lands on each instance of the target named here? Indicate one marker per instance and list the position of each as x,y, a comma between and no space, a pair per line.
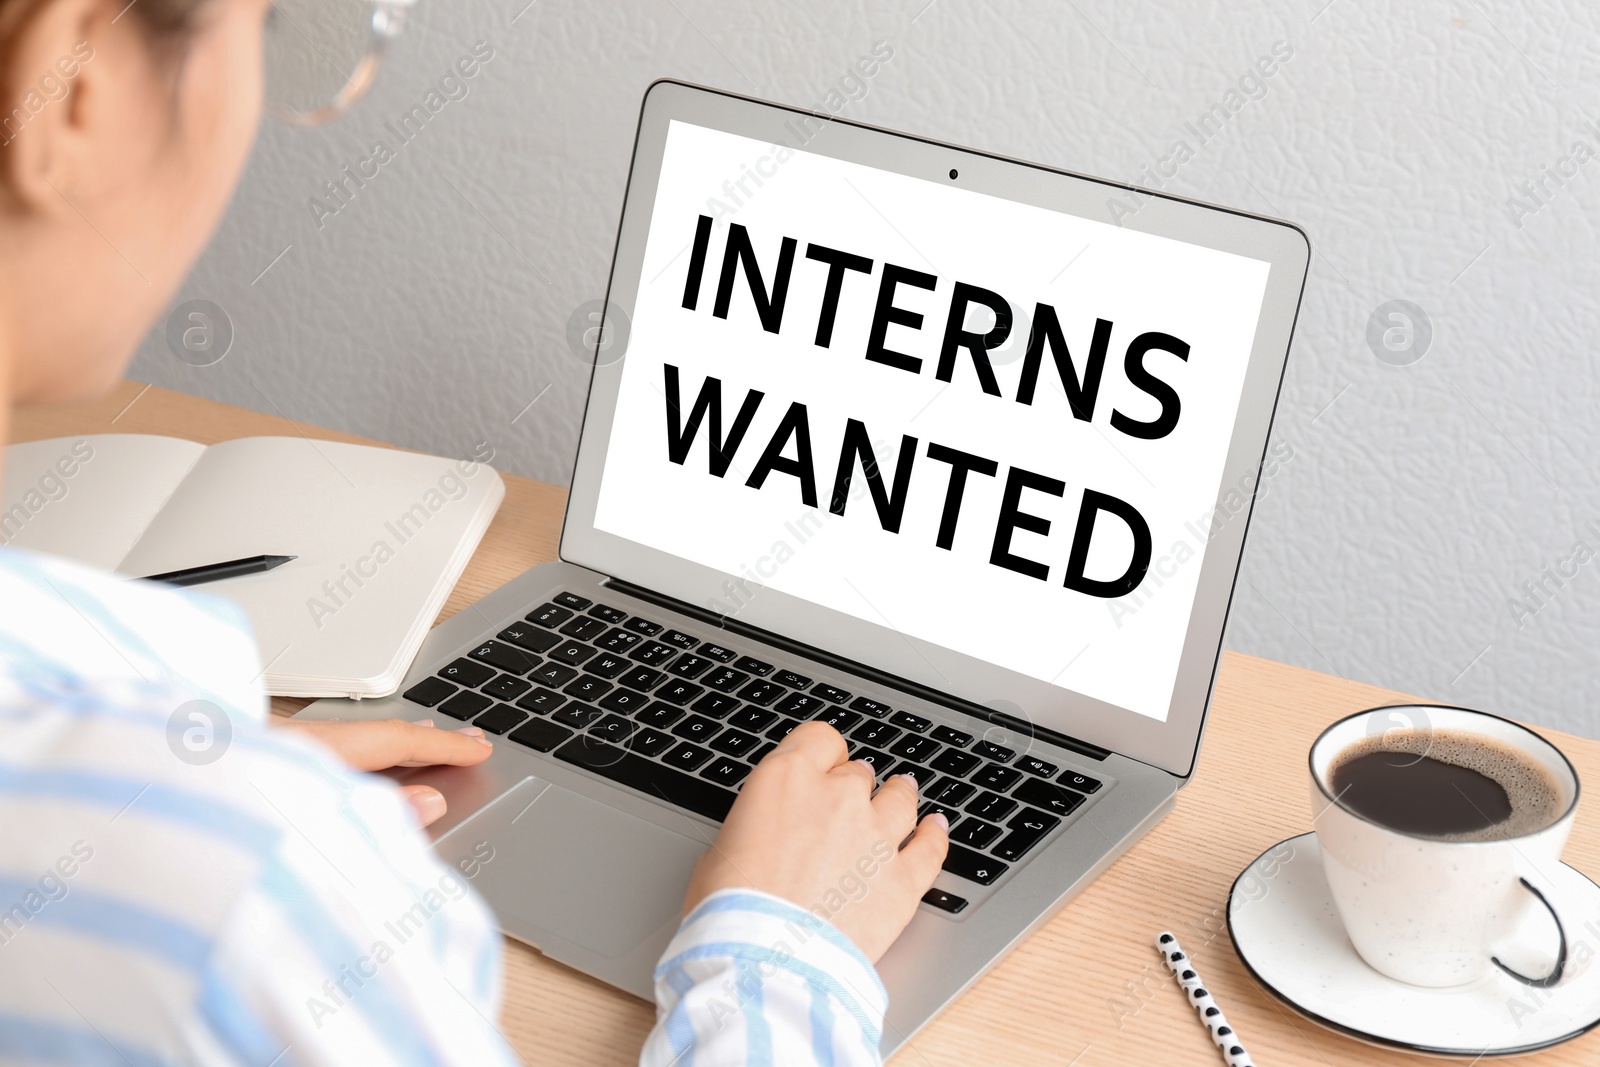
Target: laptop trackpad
567,864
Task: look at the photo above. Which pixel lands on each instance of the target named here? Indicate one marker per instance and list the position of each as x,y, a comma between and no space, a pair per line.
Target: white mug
1433,912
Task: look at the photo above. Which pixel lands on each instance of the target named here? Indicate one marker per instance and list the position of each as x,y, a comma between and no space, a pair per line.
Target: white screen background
955,599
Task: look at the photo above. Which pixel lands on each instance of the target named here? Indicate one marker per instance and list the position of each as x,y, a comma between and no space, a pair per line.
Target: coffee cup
1434,872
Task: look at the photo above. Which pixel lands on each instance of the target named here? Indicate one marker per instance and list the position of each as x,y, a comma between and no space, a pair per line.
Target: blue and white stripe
272,907
752,979
268,907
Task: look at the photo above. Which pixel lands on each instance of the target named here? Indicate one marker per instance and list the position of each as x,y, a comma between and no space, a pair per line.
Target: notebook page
375,532
89,498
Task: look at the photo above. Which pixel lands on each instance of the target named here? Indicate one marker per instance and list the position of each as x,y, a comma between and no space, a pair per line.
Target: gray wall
1423,493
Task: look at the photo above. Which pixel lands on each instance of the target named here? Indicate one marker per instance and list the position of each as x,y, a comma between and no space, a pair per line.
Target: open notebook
381,537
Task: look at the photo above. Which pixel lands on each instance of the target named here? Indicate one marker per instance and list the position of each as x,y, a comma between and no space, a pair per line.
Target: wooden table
1088,990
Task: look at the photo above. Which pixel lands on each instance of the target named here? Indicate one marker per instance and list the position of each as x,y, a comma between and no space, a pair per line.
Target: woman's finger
859,770
895,805
924,853
377,745
817,743
426,801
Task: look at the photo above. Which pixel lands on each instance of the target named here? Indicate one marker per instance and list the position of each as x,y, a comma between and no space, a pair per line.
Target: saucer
1283,923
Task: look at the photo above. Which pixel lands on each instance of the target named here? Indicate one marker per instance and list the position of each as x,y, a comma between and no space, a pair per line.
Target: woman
159,905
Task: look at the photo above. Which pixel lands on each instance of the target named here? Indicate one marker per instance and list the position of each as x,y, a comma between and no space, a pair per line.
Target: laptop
951,451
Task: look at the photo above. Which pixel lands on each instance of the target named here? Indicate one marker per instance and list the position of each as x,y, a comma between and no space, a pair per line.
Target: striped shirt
181,884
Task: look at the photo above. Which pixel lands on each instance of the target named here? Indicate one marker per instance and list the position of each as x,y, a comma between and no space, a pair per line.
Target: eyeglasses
321,56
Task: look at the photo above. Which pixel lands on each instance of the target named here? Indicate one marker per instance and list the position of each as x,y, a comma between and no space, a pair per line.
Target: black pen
213,572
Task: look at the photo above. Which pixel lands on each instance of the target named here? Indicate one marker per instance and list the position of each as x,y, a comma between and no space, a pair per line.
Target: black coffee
1445,784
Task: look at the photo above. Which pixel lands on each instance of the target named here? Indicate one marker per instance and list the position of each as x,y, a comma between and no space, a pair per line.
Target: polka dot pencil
1182,968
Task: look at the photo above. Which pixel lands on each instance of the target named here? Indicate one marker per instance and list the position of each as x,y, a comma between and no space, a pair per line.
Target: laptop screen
991,426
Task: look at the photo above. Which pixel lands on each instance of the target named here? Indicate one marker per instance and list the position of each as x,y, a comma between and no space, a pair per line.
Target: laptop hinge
916,689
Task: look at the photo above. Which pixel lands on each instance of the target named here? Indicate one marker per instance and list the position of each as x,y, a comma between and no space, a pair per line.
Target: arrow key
974,866
1027,830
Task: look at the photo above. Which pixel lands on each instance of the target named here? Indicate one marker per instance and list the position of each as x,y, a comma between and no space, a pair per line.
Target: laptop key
465,704
715,705
571,653
506,687
619,641
678,692
798,704
762,693
613,728
429,691
735,742
878,761
718,653
781,730
991,806
587,687
509,659
755,755
687,757
697,728
499,719
910,721
725,679
642,678
689,666
949,791
467,673
649,777
577,715
1037,766
1027,830
876,708
571,600
1050,798
955,762
584,628
540,735
995,777
643,626
653,652
549,616
659,715
915,770
623,701
752,665
876,733
951,736
651,742
791,679
724,771
914,748
952,815
607,665
679,638
976,833
751,718
608,613
541,701
963,862
839,719
991,751
529,637
554,674
938,898
830,693
1081,782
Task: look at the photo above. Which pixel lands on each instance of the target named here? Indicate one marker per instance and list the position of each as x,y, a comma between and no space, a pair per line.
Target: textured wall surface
1436,525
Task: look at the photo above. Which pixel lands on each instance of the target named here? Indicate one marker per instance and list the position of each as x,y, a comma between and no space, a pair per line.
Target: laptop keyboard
686,720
